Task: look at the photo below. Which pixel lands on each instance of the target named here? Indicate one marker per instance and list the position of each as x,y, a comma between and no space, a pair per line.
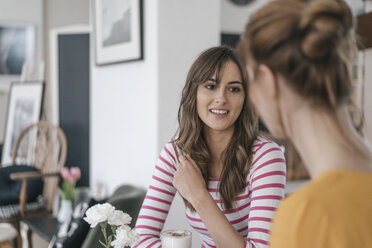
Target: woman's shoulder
264,143
306,197
168,157
171,149
171,144
267,157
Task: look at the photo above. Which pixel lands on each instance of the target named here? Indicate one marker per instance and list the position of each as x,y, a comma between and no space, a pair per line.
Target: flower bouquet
70,176
105,215
68,192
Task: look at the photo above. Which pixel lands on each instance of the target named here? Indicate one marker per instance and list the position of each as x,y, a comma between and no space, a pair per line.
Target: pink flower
65,173
70,176
75,173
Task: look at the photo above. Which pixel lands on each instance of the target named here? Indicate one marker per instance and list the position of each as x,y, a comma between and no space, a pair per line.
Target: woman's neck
328,141
217,142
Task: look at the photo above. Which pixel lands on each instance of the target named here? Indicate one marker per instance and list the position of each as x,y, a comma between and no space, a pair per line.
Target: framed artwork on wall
17,46
24,108
118,31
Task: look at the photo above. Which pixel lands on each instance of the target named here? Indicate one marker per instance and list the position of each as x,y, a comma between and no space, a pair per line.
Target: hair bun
324,24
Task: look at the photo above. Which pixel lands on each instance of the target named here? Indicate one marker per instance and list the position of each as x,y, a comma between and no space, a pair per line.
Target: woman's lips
219,112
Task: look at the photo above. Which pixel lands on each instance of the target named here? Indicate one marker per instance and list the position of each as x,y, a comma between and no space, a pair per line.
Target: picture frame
17,46
118,31
24,108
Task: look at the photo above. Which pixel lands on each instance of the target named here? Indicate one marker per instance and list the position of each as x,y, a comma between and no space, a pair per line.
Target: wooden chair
43,146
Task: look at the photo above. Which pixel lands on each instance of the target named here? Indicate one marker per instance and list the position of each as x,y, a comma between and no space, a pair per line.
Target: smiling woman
219,103
231,178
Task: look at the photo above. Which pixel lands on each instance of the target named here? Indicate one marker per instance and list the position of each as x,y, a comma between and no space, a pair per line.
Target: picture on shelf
24,108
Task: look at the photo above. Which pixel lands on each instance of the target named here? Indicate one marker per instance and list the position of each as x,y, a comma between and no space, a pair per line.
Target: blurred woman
231,179
299,58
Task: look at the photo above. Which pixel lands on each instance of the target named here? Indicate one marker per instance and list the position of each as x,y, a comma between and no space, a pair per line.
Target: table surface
46,227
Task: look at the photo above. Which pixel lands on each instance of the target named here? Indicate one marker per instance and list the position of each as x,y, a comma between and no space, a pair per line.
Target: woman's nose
220,96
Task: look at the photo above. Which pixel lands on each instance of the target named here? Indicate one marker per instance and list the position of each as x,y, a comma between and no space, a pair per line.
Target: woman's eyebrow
231,82
235,82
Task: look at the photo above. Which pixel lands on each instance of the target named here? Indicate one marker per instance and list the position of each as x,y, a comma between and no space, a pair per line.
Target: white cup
175,238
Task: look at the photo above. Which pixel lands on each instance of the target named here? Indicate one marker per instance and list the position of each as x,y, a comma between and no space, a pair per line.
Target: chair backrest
44,146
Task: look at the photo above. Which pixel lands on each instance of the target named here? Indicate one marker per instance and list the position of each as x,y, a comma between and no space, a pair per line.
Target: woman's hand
188,179
189,182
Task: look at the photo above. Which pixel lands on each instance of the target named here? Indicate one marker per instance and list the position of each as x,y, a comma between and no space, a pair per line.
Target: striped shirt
253,209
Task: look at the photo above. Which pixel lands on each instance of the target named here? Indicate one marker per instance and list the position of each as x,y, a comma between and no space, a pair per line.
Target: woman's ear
268,78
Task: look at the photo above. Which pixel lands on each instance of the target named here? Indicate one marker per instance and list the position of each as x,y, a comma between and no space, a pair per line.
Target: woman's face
219,105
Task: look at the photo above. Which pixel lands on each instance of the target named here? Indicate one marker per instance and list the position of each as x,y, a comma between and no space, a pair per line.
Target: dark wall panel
230,40
73,59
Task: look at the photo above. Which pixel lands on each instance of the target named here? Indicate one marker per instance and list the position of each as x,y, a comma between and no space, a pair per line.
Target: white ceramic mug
175,238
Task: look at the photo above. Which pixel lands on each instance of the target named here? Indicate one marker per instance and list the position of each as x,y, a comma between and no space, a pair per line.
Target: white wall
20,12
124,113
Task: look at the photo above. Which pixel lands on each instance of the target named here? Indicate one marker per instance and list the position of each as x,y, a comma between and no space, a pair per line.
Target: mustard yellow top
334,210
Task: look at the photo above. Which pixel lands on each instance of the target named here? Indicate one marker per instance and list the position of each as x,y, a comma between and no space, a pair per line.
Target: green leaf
68,189
62,194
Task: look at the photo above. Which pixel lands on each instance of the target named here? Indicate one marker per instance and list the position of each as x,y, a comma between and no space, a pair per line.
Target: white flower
119,218
99,213
125,237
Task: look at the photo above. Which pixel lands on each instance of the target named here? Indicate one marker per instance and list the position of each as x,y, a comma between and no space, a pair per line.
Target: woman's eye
235,89
210,86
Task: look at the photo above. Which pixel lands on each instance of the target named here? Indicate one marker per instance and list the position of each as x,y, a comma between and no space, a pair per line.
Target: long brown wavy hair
190,137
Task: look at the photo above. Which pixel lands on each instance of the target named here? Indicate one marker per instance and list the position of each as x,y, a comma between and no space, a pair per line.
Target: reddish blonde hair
310,44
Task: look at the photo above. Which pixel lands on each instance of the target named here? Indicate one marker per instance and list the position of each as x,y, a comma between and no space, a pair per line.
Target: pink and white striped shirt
254,207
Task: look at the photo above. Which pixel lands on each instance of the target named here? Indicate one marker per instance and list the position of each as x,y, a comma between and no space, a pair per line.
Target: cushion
10,189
